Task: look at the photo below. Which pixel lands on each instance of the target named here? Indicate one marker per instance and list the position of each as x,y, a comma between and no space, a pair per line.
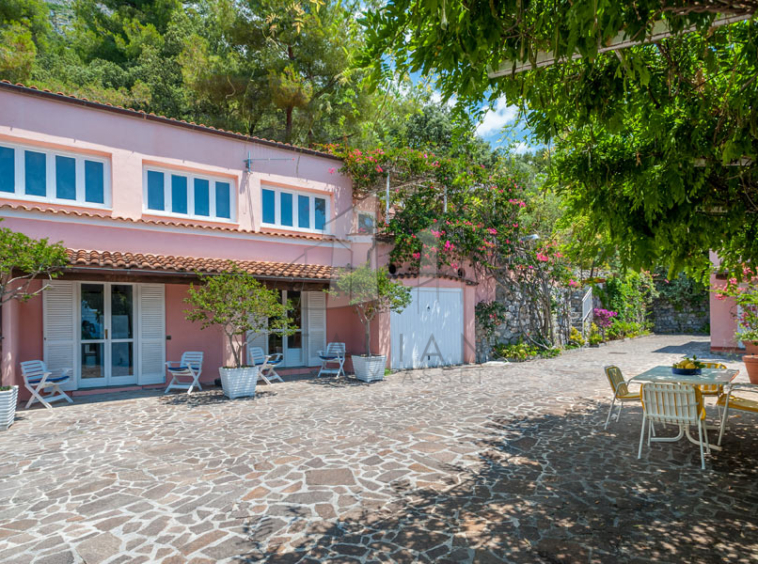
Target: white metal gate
429,332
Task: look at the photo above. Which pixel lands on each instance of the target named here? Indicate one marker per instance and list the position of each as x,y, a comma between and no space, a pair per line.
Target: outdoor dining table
708,376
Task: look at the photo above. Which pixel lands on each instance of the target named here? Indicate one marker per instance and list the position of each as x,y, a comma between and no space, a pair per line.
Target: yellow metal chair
620,389
712,390
728,401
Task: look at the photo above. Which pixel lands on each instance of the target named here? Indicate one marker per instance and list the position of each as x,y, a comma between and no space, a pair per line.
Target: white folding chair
38,379
676,404
333,356
266,363
190,366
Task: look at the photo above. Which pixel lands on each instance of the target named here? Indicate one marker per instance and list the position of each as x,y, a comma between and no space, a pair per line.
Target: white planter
8,401
369,368
239,382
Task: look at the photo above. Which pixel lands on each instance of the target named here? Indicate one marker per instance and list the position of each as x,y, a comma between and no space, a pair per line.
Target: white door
111,334
107,334
429,332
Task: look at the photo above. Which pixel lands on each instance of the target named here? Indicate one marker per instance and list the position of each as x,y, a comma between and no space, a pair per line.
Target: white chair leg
642,436
724,416
649,432
263,377
61,393
610,411
618,416
702,451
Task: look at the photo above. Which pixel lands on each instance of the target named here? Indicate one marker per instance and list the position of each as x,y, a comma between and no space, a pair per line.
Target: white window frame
312,208
190,176
50,196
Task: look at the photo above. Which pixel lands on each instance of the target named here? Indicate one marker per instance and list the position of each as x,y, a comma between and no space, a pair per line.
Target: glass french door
107,347
290,346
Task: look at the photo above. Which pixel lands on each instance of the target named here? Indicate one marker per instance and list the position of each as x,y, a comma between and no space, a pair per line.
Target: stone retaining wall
693,318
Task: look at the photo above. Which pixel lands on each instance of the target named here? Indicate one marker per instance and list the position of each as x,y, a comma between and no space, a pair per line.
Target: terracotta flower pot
751,347
751,363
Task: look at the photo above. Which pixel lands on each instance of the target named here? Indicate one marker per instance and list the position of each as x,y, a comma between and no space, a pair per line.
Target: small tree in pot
22,261
370,292
238,303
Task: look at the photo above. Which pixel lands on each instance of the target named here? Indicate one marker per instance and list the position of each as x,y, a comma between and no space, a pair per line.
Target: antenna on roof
249,161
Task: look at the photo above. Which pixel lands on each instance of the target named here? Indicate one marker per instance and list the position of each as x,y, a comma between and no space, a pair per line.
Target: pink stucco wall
723,314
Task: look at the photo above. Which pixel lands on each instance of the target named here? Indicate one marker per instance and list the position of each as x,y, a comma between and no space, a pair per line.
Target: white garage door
429,332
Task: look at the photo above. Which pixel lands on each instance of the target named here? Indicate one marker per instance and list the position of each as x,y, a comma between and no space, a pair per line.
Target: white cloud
496,118
521,148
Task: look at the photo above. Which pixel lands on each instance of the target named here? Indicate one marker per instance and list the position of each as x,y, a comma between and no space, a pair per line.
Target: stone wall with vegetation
668,318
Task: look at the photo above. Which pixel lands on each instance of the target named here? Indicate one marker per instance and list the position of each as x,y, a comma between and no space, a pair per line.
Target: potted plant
23,260
370,292
237,303
745,295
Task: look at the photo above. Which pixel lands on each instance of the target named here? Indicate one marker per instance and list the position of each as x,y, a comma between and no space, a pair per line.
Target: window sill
53,204
153,214
270,228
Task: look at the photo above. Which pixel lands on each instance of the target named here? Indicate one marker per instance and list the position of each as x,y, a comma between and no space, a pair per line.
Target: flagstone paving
474,464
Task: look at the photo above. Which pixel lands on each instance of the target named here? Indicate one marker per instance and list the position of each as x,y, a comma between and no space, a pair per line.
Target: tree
370,292
655,146
24,30
237,303
24,260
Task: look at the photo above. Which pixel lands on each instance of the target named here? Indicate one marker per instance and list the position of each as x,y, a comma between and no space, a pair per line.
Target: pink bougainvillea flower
379,169
542,258
332,170
492,231
416,255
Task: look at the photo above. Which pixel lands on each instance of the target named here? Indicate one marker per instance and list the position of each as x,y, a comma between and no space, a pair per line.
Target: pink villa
143,202
723,317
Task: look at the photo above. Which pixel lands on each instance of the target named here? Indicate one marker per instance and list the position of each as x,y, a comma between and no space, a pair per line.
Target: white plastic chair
190,366
266,363
38,379
334,355
676,404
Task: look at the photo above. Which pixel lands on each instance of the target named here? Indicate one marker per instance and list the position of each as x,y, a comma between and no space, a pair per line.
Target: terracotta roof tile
104,214
162,263
60,96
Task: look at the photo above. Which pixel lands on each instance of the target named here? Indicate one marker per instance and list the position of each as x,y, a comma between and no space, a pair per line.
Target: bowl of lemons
688,367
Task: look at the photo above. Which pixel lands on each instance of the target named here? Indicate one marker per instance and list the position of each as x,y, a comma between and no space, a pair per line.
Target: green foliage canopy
655,146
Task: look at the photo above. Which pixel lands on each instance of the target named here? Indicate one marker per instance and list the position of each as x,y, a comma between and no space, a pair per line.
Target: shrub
575,338
521,351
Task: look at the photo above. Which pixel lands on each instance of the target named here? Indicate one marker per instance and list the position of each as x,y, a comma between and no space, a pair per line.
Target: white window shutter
59,315
152,334
315,329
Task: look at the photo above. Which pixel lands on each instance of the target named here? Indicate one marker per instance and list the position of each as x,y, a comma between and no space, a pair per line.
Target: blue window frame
202,197
7,169
65,178
303,212
286,219
269,206
320,216
178,194
94,182
223,200
155,190
36,173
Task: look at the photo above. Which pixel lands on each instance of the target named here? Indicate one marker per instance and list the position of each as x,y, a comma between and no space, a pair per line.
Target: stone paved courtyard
474,464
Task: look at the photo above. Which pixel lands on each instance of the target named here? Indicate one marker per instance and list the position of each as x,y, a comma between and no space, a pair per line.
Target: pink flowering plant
744,291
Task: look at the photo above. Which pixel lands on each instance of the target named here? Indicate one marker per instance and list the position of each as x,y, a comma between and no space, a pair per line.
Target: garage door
429,332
